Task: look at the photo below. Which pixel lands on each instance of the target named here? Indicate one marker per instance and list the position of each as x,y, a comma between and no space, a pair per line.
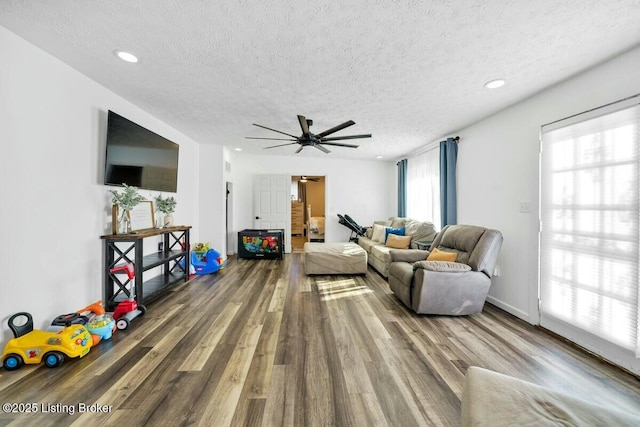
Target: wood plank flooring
260,343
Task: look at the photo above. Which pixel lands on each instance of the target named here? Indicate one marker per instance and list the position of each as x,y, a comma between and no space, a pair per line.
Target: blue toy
207,263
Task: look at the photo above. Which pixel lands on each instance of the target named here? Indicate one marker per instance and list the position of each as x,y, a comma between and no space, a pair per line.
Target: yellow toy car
34,346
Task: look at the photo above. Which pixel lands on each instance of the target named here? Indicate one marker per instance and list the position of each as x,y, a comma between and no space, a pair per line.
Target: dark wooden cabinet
173,258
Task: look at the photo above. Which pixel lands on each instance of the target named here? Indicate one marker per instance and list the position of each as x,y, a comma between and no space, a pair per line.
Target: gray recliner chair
444,287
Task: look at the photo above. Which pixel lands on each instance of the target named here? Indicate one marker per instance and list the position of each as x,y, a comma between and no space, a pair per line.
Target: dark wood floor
260,343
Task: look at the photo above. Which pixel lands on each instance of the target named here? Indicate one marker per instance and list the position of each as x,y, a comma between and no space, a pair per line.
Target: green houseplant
167,207
126,199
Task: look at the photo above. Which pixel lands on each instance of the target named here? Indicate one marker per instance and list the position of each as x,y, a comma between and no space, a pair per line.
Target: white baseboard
509,309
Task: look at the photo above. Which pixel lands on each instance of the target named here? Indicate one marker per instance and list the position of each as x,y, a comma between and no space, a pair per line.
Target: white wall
498,168
363,189
211,203
54,207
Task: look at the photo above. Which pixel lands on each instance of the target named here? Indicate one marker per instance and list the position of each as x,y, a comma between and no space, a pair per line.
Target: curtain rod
592,109
427,147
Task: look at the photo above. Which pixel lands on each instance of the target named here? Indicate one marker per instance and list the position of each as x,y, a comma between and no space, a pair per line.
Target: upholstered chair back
478,247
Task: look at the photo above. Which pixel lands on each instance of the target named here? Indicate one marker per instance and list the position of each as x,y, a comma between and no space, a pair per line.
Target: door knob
257,217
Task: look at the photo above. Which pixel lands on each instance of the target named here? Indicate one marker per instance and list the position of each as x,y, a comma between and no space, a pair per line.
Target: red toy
126,311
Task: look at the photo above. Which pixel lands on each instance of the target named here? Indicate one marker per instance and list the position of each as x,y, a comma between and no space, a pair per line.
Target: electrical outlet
525,207
496,271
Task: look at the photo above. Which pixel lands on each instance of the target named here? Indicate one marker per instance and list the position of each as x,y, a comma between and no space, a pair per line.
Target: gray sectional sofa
422,234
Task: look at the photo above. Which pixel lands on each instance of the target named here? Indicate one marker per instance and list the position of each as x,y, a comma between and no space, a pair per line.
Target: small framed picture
141,217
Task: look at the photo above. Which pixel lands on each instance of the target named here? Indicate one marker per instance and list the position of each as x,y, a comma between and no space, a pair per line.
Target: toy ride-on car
207,262
34,346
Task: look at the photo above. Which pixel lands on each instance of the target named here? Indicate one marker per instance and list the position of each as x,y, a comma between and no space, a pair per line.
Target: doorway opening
307,210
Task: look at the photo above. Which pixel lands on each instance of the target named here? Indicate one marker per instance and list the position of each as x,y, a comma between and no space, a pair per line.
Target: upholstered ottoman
334,258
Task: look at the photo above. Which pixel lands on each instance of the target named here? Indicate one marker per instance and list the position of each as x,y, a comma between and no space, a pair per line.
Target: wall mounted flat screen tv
138,157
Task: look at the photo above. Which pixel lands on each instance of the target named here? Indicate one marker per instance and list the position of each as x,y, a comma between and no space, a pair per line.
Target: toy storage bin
256,244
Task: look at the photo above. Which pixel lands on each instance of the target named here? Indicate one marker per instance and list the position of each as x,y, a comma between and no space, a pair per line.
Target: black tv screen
138,157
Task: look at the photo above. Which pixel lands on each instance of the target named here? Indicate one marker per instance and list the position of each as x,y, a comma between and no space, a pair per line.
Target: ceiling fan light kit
308,139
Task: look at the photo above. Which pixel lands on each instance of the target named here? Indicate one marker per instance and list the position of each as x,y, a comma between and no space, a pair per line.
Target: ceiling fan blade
321,148
299,149
284,133
337,144
338,138
271,139
304,125
336,129
280,145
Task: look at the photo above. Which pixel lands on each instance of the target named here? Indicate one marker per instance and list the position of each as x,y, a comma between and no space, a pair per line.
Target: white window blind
423,187
589,241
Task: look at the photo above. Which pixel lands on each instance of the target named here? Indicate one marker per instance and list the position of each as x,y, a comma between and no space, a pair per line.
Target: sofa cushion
369,232
410,255
438,255
461,239
378,233
398,242
381,252
397,222
396,231
367,243
420,231
442,266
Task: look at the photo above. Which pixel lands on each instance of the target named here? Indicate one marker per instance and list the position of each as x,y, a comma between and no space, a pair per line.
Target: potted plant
126,200
166,206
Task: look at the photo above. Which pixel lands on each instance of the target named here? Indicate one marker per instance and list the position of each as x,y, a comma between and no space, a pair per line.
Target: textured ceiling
408,72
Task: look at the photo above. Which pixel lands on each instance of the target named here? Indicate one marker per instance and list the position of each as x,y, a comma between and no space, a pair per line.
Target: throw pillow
444,266
396,231
438,255
398,242
378,233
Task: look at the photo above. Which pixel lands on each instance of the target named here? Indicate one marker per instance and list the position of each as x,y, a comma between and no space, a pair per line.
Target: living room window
589,240
423,187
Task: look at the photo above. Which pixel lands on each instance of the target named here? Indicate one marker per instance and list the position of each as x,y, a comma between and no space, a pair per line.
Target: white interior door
272,204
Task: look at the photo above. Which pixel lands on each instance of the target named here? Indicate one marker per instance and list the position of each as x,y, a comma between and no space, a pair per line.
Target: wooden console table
174,258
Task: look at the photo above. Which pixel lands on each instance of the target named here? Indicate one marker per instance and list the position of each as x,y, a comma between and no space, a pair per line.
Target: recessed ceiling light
125,56
492,84
379,157
238,149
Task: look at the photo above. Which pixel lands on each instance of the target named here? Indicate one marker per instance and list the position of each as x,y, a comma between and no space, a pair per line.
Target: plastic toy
95,324
126,311
65,320
201,247
33,346
209,262
258,244
102,326
92,310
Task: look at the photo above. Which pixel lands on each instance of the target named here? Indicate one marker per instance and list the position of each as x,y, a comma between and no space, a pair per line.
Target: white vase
168,220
